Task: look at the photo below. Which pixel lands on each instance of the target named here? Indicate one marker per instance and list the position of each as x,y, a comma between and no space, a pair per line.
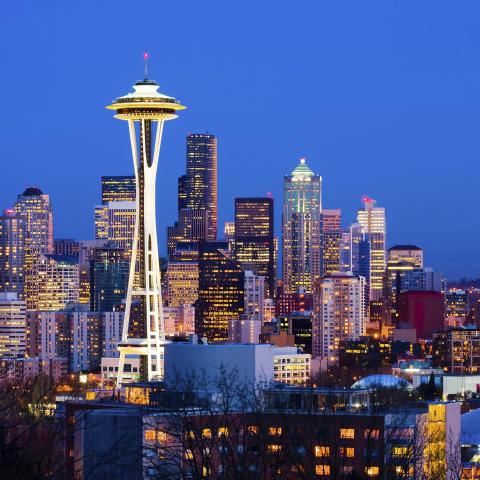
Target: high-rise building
56,285
331,231
229,235
192,226
121,224
302,208
254,239
147,109
12,253
244,330
119,188
338,313
182,283
12,326
67,247
254,296
86,346
220,292
456,307
109,273
372,220
201,182
406,254
35,207
100,222
182,192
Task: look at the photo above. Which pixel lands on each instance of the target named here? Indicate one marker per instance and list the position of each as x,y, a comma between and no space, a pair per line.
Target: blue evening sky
382,97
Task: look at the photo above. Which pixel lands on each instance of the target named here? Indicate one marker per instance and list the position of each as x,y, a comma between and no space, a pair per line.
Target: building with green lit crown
302,208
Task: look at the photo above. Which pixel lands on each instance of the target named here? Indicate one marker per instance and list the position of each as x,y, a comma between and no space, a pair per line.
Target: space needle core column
145,110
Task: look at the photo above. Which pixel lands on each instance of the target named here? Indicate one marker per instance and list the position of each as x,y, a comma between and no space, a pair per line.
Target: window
347,433
372,434
150,435
188,454
162,436
204,471
206,433
275,431
252,429
372,471
347,452
273,448
322,469
223,432
190,434
322,451
400,451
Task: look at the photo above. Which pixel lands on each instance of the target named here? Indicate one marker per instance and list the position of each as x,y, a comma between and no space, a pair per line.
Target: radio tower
145,110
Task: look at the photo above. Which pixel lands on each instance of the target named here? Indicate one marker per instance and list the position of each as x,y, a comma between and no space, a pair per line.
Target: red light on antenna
146,55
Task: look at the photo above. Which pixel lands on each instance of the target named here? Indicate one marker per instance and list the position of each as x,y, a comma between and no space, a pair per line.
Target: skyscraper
220,292
254,296
109,272
56,285
12,326
302,208
148,109
338,313
201,182
182,280
254,240
12,253
35,207
372,220
331,226
118,189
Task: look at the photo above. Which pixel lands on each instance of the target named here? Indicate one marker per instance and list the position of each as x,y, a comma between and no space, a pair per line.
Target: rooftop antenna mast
146,56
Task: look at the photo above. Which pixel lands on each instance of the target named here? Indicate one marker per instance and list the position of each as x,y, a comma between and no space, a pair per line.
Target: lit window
252,429
322,451
347,452
275,431
400,451
347,433
150,435
190,434
372,434
322,469
274,448
206,433
372,471
162,436
223,432
188,454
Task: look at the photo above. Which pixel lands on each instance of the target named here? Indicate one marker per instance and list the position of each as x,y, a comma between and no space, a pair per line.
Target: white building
254,364
109,370
254,296
112,324
244,330
339,305
12,326
291,367
268,310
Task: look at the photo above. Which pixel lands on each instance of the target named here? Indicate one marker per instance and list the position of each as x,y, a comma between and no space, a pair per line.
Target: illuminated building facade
406,254
220,292
118,188
192,226
56,285
35,207
456,307
291,367
12,326
179,321
339,306
201,181
244,330
147,109
121,225
254,240
331,227
229,235
254,303
302,207
12,253
182,283
298,324
372,220
67,247
101,222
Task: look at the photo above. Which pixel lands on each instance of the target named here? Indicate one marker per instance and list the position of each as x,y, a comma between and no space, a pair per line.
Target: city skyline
397,115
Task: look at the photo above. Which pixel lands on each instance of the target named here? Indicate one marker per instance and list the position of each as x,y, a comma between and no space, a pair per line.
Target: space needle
145,110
